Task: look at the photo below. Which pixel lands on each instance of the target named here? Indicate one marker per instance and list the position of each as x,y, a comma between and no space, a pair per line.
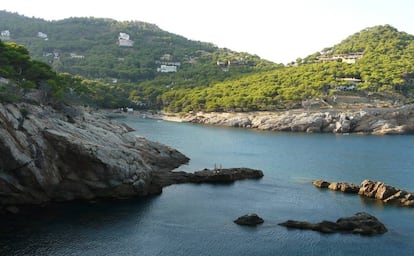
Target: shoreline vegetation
377,121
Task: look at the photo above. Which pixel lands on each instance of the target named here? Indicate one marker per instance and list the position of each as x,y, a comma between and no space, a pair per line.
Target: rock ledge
371,189
227,175
249,220
63,153
361,223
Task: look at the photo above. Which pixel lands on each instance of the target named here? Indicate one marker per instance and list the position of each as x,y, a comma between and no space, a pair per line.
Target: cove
193,219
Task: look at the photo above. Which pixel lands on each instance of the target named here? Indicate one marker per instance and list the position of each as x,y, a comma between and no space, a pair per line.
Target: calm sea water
198,219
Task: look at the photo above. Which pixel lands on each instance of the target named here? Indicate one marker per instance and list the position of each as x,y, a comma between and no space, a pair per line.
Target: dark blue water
198,219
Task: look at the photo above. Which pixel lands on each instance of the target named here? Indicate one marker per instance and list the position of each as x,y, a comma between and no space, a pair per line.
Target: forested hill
25,79
138,64
375,63
129,52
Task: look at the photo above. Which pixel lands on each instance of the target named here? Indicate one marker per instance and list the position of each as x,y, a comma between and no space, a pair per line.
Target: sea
197,219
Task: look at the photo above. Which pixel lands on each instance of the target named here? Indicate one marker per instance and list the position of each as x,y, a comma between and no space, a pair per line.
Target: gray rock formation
361,223
378,121
58,154
249,220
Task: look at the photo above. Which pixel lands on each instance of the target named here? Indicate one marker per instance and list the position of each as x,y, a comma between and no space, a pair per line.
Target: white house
124,40
76,56
5,34
123,36
42,35
350,58
167,69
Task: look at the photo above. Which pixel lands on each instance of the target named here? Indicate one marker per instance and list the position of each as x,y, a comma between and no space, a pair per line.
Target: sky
277,30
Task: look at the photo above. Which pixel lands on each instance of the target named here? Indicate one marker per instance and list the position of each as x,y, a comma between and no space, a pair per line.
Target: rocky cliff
375,121
64,153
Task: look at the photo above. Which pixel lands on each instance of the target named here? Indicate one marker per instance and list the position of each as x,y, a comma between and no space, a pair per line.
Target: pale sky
280,31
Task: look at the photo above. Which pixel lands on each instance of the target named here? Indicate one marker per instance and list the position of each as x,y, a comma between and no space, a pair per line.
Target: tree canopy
89,47
376,60
385,65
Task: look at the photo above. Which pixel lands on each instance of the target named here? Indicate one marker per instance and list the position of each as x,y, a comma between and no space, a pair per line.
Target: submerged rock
58,154
249,220
361,223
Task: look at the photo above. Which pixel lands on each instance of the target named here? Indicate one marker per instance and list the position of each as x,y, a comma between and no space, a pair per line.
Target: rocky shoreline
379,121
64,153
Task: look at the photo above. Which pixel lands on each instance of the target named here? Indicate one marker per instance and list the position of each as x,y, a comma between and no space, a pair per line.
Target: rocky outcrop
386,193
321,183
344,187
64,153
249,220
371,189
337,186
378,121
216,176
361,223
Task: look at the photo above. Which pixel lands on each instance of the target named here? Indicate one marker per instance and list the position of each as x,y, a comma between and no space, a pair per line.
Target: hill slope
375,63
127,53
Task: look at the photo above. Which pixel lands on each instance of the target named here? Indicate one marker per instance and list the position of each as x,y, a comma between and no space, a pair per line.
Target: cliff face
57,155
375,121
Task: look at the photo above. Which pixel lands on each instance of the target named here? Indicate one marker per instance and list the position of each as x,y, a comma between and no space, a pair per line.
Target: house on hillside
76,56
5,35
124,40
168,59
167,64
42,36
351,84
350,58
224,65
56,55
167,69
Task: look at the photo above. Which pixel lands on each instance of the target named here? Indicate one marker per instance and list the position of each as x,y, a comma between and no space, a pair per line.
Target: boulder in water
249,220
361,223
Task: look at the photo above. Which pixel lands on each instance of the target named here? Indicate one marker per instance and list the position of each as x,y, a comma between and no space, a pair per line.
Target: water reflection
45,229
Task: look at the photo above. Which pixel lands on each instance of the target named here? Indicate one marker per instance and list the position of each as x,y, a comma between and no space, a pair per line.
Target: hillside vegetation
20,75
384,68
376,62
90,48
